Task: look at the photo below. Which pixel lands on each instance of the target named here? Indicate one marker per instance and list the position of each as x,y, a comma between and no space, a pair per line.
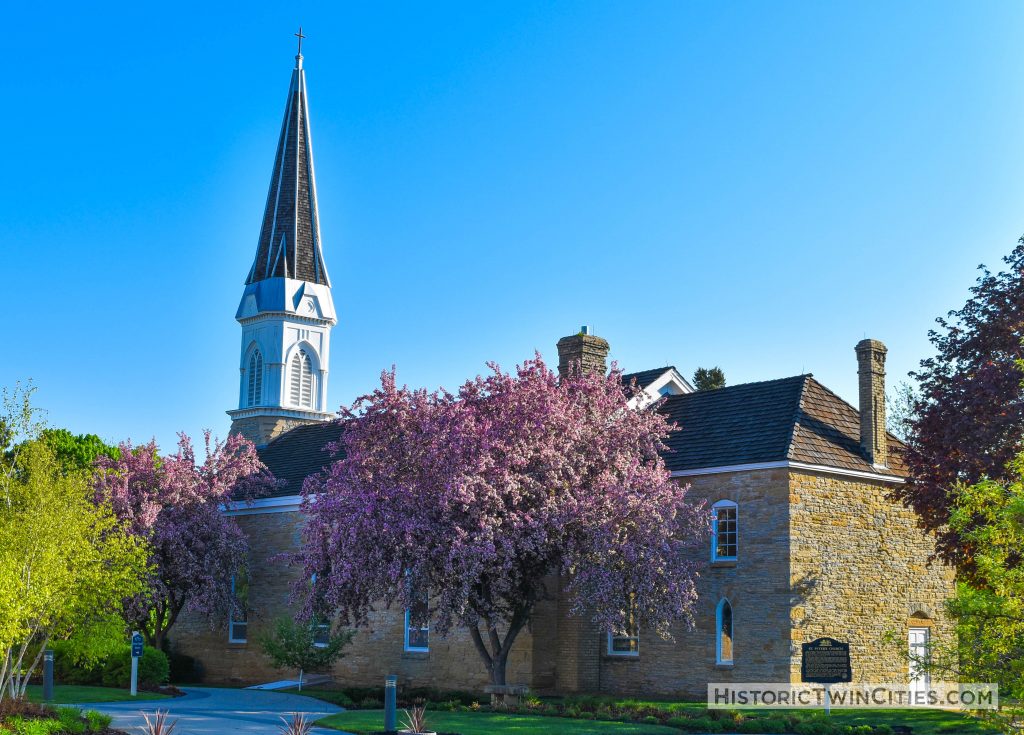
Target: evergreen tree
708,378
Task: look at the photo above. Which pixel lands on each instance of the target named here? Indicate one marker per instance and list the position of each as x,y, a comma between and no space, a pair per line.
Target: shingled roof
299,453
289,244
645,377
792,419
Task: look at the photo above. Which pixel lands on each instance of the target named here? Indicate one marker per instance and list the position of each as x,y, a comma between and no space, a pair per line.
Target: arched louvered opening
255,379
301,380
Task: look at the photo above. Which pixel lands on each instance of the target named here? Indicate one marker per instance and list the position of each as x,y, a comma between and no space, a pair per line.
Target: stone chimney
871,380
584,348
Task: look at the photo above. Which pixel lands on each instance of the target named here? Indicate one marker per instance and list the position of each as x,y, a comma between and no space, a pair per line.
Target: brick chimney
871,380
584,348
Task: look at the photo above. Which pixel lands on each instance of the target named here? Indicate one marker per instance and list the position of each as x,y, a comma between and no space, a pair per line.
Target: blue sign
137,643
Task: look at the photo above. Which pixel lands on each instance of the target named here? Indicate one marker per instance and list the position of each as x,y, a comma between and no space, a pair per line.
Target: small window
238,621
626,642
417,625
301,380
723,628
724,531
255,379
321,635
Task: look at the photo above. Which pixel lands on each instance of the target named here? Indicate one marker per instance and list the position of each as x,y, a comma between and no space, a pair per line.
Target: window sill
724,665
723,563
416,655
621,657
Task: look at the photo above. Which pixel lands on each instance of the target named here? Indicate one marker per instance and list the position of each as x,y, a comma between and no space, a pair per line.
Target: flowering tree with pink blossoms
174,503
482,497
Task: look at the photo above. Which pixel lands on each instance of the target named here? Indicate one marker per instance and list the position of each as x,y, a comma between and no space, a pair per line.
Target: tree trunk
494,652
300,680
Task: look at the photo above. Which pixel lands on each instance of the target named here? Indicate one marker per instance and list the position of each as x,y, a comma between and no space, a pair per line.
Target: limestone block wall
376,651
860,568
756,586
263,429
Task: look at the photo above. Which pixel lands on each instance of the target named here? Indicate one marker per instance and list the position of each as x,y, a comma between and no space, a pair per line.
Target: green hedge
154,668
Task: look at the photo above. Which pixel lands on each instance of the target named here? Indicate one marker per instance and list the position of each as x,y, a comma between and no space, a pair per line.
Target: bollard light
391,704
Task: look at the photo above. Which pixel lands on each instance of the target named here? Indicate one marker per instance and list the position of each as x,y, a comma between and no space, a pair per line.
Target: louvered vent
301,380
255,378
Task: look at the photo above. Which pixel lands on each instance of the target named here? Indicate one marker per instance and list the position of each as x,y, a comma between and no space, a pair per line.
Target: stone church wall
862,569
376,651
755,584
819,555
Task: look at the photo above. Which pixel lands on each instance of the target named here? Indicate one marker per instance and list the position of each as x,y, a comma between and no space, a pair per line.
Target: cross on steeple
300,37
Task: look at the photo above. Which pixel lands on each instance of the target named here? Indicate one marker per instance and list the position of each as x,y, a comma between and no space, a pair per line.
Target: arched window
724,531
301,379
723,632
255,387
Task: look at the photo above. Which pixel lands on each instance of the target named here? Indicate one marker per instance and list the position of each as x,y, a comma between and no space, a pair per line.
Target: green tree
988,610
304,646
709,378
77,451
65,563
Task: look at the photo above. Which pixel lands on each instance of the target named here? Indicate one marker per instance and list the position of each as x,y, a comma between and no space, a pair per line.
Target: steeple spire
287,311
289,244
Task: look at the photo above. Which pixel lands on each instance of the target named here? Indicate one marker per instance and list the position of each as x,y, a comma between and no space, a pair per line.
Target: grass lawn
493,723
67,694
921,721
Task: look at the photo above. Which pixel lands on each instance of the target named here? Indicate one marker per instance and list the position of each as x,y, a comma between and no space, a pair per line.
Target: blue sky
752,185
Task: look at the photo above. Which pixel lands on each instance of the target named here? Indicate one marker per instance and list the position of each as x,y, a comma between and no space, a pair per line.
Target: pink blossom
482,495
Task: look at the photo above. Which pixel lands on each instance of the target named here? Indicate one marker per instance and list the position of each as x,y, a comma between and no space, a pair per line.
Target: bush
154,668
98,722
883,730
66,671
370,703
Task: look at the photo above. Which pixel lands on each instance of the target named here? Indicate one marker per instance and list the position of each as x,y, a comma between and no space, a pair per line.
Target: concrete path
205,711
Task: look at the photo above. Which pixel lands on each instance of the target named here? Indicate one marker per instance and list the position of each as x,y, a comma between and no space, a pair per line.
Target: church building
805,544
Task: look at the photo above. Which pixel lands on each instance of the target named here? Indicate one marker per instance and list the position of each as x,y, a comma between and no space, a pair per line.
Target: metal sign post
137,643
391,704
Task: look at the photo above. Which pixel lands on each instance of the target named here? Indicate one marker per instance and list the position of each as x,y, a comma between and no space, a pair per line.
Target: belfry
286,311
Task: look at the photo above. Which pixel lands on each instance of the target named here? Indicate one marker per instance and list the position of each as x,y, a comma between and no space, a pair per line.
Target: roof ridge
888,434
797,412
753,383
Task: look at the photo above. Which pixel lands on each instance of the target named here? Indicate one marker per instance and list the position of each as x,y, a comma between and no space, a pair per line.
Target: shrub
67,672
70,720
154,668
98,722
370,703
883,730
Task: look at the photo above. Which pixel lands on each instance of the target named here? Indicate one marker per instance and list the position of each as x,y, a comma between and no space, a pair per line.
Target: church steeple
289,244
286,311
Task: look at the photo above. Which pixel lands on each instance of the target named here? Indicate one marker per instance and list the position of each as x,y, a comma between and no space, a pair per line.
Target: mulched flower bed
13,710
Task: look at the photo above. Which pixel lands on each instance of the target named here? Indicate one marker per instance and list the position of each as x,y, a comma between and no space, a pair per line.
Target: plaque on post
825,661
